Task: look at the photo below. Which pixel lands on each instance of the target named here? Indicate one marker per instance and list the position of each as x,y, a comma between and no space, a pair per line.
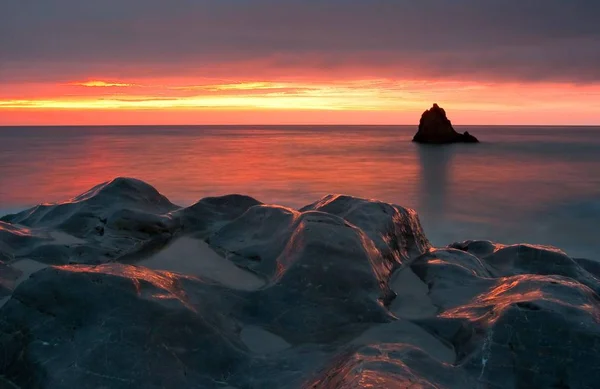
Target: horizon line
288,124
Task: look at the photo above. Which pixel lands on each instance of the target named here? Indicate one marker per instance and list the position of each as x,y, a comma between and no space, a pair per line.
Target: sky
298,61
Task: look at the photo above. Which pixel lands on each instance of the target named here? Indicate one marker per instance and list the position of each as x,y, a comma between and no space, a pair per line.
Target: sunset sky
298,62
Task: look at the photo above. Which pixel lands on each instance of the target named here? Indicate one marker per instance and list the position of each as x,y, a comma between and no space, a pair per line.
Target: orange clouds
349,101
100,84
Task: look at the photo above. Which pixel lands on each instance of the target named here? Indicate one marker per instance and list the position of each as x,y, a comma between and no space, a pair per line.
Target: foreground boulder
343,293
113,220
435,127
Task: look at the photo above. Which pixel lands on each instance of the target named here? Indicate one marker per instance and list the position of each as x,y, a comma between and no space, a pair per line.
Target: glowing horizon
298,62
189,100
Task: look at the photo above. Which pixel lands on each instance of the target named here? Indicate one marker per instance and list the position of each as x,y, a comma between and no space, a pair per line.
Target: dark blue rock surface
119,288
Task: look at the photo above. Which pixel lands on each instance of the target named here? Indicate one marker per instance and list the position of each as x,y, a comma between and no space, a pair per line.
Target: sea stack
435,127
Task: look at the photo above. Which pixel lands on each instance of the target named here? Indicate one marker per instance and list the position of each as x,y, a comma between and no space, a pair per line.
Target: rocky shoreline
121,288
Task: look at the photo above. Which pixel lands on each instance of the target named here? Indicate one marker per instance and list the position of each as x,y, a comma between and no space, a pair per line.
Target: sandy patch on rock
261,341
196,258
412,300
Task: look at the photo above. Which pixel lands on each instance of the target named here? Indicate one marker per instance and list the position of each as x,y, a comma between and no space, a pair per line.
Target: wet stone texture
120,288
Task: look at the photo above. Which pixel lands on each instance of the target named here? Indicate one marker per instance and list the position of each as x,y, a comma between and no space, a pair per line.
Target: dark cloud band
526,40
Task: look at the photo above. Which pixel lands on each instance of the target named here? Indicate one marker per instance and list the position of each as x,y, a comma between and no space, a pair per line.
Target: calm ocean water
522,184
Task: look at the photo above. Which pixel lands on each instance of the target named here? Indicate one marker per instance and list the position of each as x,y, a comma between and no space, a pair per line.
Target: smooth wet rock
539,260
14,238
591,265
395,230
407,332
211,213
478,248
451,276
98,202
390,366
256,239
119,288
117,219
336,284
436,128
4,253
537,332
116,327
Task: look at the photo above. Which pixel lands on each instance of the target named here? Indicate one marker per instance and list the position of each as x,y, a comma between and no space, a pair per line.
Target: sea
537,185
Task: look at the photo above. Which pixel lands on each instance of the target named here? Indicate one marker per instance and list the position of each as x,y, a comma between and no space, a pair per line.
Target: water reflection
434,180
289,167
496,190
